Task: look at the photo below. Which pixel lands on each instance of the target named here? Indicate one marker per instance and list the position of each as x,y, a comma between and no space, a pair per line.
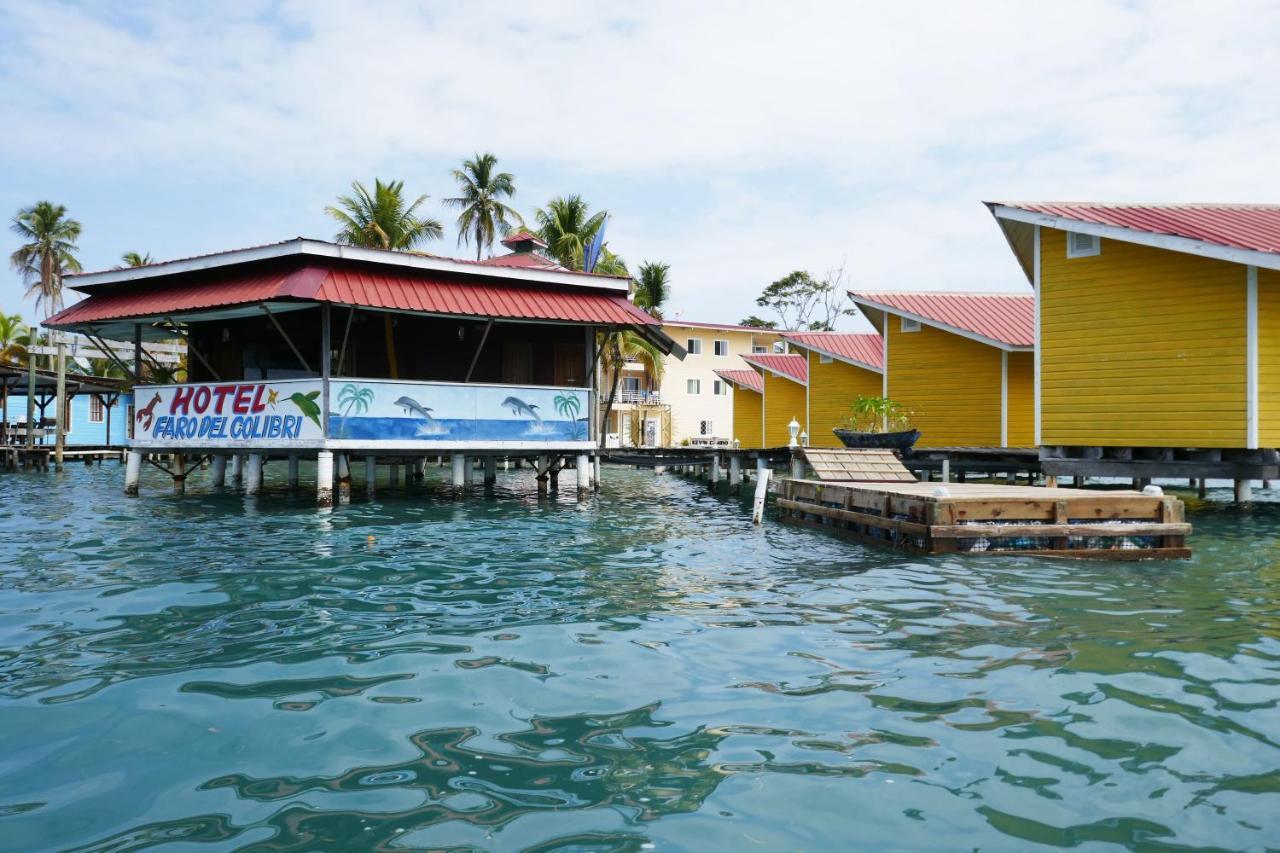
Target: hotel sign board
282,413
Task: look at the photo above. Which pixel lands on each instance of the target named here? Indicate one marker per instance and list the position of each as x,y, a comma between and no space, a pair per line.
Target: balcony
362,414
638,397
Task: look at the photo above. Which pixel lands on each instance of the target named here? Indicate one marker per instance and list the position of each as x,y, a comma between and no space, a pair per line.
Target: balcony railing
638,397
362,413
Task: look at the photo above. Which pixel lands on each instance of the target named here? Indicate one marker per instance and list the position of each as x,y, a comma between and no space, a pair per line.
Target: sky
736,142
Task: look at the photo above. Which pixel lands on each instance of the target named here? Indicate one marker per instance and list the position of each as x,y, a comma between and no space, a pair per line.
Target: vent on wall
910,325
1083,245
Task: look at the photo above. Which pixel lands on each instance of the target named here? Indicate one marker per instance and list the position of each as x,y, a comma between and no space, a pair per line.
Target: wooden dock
871,497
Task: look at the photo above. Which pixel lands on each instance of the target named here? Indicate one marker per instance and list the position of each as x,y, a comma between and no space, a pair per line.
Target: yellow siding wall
746,417
783,400
1022,399
1141,347
950,384
832,389
1268,358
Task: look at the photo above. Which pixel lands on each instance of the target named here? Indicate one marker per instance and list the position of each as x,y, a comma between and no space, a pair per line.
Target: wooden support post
490,471
393,475
459,478
1201,488
582,467
595,472
253,474
1051,481
220,470
324,478
946,470
735,474
132,473
420,469
468,471
344,478
370,475
179,463
543,470
797,466
294,464
762,492
1244,491
715,471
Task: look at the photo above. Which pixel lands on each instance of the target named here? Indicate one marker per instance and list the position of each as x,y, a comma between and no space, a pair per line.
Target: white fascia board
836,356
955,330
1186,245
321,249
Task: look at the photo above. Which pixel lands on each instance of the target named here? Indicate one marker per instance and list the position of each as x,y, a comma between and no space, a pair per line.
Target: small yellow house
747,400
842,367
785,380
960,363
1158,326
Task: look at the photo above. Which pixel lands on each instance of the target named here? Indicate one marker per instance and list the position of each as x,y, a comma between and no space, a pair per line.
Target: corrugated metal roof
1007,319
527,260
791,366
749,379
364,285
863,348
1240,226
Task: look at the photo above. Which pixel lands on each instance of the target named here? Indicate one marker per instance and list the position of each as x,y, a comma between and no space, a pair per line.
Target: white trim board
1251,373
303,247
834,355
1186,245
955,330
1004,399
1035,285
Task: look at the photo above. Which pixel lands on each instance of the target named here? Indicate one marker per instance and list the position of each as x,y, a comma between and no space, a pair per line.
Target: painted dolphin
520,407
413,407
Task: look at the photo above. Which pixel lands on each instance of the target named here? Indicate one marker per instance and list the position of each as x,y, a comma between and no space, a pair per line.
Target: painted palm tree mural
569,407
354,397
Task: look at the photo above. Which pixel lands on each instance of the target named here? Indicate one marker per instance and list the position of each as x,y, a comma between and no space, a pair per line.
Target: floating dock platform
975,518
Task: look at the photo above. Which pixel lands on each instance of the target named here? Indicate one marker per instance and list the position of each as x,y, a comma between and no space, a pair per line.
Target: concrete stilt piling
582,467
1201,488
370,475
555,474
324,478
293,470
344,478
220,470
237,474
459,474
490,471
179,463
543,471
595,472
797,467
420,469
714,477
735,474
253,474
132,473
468,471
1244,491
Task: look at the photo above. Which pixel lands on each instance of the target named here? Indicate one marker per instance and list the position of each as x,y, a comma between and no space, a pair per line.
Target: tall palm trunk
613,390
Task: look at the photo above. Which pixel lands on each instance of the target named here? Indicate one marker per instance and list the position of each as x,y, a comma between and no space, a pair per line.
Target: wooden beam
191,348
479,348
283,334
346,333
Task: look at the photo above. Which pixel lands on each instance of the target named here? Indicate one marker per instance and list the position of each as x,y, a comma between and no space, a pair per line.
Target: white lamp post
804,439
794,429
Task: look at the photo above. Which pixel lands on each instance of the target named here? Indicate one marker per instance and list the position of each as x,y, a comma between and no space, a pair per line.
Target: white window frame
694,346
693,387
759,349
909,324
96,401
1073,252
720,347
719,388
706,428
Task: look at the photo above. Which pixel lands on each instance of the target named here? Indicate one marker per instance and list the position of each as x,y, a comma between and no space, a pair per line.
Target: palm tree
382,219
618,348
133,259
482,215
48,253
14,339
652,287
567,226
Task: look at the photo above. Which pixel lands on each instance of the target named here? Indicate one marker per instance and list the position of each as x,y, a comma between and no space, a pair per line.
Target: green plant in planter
877,414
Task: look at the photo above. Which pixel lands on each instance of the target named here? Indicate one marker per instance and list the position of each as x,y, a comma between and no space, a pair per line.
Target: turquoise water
643,669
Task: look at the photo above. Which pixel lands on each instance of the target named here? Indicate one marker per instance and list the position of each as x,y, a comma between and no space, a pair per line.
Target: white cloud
809,133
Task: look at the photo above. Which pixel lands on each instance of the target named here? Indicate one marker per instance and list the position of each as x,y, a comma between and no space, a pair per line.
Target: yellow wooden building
1158,325
747,399
841,367
960,363
784,398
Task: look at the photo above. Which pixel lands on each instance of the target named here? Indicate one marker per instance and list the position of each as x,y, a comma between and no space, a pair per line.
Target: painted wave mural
425,411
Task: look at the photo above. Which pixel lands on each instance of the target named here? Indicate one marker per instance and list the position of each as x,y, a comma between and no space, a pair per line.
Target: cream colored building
692,404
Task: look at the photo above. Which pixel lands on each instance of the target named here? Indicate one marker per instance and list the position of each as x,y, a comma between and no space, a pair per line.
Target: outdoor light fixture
804,439
794,429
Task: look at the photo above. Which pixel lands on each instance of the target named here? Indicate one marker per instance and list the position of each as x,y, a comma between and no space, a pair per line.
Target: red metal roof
524,235
1240,226
863,348
749,379
791,366
1002,318
527,260
394,288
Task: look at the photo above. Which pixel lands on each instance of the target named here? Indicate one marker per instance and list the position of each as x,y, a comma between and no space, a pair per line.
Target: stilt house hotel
841,367
1158,331
747,399
960,363
307,347
785,380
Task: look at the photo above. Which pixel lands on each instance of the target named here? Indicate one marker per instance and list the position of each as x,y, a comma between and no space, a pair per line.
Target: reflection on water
642,668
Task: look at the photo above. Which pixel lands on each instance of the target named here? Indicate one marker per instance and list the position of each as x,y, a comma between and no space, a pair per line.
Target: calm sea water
641,670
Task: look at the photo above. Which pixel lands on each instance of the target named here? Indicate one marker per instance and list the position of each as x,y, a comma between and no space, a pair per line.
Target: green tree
482,215
803,302
567,225
617,349
133,259
382,219
758,323
610,264
15,336
48,252
652,287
